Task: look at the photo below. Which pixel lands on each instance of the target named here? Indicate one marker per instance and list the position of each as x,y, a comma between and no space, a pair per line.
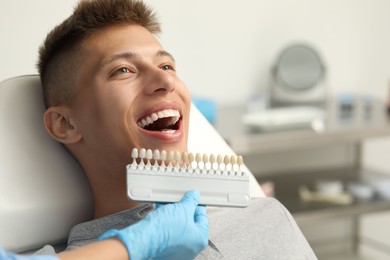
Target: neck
106,174
109,190
107,203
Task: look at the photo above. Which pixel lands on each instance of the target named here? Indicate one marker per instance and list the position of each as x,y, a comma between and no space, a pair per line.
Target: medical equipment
158,176
298,77
285,118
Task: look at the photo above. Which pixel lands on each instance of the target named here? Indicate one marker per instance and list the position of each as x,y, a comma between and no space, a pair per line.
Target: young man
109,86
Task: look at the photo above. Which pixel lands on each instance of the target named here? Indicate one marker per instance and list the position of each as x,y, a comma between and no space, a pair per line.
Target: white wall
225,48
23,27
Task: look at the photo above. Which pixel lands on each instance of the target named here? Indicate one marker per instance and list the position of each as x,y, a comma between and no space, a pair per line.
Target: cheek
120,114
117,113
117,101
184,93
187,102
107,117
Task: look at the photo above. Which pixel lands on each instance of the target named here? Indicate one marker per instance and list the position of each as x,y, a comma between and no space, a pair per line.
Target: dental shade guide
160,176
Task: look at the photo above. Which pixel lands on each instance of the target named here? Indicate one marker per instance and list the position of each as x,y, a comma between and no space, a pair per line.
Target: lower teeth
168,131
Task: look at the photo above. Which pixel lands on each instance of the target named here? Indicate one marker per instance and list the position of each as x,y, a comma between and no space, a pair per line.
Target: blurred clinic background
300,88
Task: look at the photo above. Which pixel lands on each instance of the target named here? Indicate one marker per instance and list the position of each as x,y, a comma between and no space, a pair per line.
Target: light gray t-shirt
263,230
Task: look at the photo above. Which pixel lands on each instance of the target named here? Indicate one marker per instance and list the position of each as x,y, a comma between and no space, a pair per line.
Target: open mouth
165,121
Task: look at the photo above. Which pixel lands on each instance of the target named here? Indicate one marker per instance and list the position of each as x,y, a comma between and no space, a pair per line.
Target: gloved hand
172,231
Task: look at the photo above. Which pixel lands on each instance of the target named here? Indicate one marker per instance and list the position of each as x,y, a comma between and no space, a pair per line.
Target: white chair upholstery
43,191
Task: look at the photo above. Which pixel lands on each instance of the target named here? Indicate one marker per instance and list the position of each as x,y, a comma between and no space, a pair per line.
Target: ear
60,125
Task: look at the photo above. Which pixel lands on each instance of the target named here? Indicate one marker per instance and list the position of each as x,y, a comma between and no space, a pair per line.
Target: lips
166,120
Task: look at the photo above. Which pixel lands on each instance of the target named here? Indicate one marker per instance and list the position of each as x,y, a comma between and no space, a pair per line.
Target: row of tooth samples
186,162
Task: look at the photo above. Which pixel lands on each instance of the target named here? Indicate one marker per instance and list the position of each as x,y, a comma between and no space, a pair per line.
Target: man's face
129,94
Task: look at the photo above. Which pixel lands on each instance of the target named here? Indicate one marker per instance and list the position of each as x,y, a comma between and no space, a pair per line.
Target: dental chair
43,190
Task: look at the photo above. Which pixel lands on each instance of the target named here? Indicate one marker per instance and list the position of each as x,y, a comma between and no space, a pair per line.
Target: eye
122,71
167,67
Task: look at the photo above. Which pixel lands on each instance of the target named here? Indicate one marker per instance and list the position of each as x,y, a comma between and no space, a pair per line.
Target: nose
158,81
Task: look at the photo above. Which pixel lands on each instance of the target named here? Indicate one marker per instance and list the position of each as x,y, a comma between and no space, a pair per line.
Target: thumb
191,197
201,218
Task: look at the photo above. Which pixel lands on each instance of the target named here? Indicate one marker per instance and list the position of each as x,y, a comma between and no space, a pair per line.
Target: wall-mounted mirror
298,77
297,93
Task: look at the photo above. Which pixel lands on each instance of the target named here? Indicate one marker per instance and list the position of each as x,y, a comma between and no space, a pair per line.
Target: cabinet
295,157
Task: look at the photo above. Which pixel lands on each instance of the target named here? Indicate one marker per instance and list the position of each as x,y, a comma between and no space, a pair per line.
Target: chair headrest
43,189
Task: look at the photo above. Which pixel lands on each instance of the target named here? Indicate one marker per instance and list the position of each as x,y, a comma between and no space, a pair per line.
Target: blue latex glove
172,231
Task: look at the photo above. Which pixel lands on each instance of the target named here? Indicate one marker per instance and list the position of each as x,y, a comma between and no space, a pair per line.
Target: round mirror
298,68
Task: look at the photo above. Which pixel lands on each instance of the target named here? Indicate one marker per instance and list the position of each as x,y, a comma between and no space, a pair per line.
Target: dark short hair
61,52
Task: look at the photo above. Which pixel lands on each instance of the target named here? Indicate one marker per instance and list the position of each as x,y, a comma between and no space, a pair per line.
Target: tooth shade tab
142,153
149,154
212,158
156,154
177,162
134,153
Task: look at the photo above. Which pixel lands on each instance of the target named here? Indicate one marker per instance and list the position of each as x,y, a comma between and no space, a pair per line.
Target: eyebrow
165,54
129,55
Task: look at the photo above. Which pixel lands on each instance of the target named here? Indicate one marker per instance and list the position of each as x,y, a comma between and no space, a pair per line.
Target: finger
161,204
201,218
191,197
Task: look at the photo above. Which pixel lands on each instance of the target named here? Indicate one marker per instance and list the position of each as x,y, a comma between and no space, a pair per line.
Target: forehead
119,38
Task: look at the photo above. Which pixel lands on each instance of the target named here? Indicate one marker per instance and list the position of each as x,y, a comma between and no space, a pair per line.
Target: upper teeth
147,120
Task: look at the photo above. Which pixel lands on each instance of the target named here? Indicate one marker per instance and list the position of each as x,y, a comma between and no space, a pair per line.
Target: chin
167,146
